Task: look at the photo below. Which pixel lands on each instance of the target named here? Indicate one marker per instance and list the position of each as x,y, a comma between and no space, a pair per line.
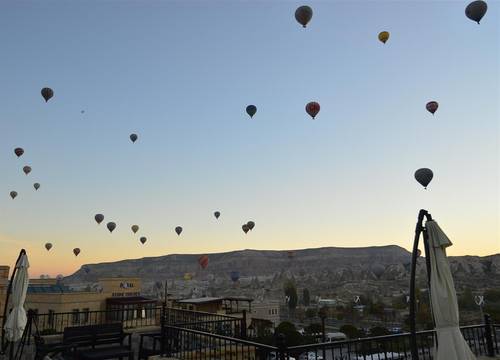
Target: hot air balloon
217,214
250,225
476,10
178,230
143,239
99,218
424,176
13,194
36,186
251,110
245,228
111,226
76,251
203,261
378,270
312,109
59,277
48,246
235,276
135,228
432,106
47,93
383,36
27,169
188,276
133,137
303,15
19,152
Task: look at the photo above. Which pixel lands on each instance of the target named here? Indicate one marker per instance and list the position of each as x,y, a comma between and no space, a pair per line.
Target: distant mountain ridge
327,267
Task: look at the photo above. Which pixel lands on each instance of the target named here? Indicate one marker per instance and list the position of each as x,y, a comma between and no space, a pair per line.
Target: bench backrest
91,335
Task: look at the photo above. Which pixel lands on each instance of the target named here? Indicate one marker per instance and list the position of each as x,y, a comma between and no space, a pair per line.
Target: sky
180,74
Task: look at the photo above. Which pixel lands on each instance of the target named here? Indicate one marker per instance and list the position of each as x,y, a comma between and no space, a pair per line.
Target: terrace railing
186,343
183,343
54,323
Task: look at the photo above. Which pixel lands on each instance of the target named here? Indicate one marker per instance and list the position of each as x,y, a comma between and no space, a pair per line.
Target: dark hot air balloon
250,225
19,152
383,36
217,214
312,109
245,228
476,10
36,186
27,169
76,251
48,246
13,194
133,137
47,93
235,276
143,239
432,106
424,176
111,226
178,230
378,270
251,110
203,261
303,15
99,218
135,228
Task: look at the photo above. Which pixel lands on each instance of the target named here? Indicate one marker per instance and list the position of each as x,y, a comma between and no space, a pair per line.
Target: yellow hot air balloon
384,36
188,276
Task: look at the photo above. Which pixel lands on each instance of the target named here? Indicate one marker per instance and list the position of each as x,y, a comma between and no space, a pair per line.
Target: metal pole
413,328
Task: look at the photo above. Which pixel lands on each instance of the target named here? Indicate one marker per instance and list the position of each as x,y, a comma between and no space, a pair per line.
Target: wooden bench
98,342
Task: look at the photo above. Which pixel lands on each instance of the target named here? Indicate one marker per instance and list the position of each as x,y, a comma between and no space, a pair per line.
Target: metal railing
182,343
186,343
55,323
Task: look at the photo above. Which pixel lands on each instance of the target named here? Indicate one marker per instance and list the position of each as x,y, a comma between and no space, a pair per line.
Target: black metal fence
185,343
54,323
182,343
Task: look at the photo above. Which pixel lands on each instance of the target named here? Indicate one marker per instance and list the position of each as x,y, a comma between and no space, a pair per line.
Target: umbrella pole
6,306
419,228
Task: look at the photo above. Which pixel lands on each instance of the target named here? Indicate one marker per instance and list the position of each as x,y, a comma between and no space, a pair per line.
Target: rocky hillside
328,271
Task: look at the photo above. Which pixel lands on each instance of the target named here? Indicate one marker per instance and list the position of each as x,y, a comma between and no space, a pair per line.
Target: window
85,314
75,316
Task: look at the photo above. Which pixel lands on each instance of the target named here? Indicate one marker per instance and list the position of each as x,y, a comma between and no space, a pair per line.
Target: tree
313,329
292,336
352,332
379,331
306,297
291,294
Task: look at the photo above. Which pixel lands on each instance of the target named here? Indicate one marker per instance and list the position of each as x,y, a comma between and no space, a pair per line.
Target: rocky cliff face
325,270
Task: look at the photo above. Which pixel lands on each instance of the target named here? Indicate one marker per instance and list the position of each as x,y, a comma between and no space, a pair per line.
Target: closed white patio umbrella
450,342
16,320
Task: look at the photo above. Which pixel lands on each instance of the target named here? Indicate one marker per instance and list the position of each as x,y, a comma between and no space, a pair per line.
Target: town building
267,310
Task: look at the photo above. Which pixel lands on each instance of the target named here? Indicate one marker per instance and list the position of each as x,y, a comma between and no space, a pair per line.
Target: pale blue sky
180,75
